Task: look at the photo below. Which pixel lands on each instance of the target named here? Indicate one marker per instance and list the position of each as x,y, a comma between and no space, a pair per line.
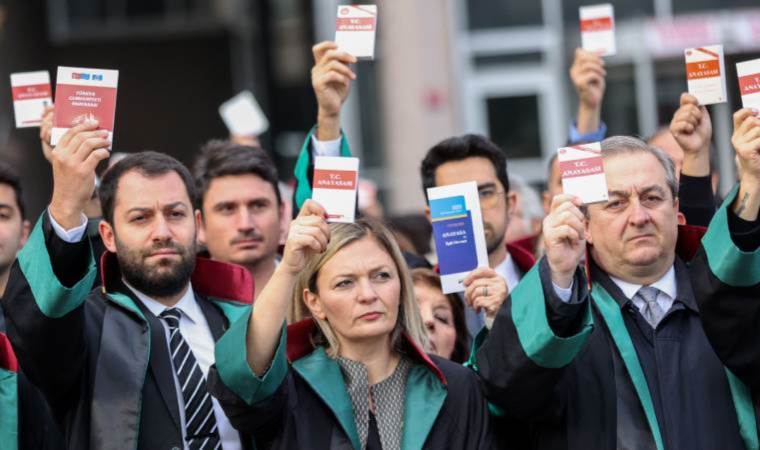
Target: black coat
305,405
98,357
560,365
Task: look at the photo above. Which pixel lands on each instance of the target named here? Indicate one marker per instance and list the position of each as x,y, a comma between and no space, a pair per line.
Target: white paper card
598,29
31,93
83,94
582,171
355,30
706,74
458,233
243,116
335,182
749,83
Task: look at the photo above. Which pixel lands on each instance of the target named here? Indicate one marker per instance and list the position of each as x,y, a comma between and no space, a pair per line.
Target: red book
84,94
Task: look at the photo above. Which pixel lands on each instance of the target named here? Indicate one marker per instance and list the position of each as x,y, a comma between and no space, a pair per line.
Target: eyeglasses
489,197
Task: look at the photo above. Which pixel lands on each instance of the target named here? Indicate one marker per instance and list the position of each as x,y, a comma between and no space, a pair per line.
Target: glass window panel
513,124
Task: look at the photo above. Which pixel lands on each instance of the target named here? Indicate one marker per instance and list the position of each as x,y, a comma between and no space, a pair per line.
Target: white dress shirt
666,285
508,270
195,331
325,148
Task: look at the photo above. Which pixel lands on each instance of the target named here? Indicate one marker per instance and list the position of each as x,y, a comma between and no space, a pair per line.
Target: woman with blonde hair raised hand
353,374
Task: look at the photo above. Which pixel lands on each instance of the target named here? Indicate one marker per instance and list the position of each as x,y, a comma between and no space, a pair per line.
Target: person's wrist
588,118
328,125
67,214
562,278
286,271
696,163
750,183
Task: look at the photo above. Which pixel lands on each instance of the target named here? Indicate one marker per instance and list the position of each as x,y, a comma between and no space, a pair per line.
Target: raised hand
309,234
485,290
74,160
746,142
588,76
564,238
692,129
331,79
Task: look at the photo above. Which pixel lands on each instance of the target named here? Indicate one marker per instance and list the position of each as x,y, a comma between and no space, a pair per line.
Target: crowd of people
156,306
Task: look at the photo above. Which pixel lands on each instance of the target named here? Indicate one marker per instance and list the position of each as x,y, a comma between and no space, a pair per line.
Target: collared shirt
196,332
597,135
508,270
666,285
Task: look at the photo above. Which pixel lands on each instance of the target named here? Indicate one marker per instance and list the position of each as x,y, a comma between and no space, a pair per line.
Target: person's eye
259,206
614,205
486,193
443,319
138,219
177,214
343,283
5,216
652,199
383,276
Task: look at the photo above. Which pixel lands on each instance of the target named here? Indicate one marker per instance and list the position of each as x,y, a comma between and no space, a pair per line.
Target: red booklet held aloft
82,95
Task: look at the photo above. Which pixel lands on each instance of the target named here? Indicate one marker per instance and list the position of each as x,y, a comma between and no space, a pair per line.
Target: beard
495,240
164,278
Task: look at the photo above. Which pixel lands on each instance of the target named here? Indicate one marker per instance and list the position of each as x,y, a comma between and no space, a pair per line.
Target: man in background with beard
123,366
474,158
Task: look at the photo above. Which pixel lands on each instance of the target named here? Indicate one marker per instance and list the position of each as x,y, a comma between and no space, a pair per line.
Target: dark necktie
200,424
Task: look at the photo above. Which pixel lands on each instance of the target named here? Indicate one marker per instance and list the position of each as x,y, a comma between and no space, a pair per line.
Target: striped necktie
200,424
652,311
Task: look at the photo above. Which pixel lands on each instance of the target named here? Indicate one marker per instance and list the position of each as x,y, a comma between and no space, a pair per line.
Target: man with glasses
474,158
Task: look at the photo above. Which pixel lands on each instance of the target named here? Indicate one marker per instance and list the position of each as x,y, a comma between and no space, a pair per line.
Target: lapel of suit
160,364
217,323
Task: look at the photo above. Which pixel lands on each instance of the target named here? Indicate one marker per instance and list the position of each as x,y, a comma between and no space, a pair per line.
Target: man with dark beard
474,158
124,366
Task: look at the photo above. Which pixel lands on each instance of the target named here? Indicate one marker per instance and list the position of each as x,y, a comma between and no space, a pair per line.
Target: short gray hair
618,145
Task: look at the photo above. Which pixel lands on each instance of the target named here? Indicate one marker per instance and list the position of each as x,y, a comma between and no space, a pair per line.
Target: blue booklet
458,233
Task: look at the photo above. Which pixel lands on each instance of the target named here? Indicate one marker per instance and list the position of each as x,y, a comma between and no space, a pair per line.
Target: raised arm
54,272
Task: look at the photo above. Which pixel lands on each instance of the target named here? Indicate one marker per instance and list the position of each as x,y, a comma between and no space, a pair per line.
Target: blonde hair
408,320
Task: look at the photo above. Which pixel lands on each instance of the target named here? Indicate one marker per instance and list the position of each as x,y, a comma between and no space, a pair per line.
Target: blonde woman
353,375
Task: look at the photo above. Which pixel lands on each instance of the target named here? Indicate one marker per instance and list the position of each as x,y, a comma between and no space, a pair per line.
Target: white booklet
749,83
598,29
31,93
582,171
355,30
335,183
706,74
243,115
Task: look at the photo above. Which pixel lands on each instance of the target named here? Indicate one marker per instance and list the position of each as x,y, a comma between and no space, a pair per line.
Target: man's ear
586,229
546,202
314,304
201,227
427,214
511,202
26,228
107,235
